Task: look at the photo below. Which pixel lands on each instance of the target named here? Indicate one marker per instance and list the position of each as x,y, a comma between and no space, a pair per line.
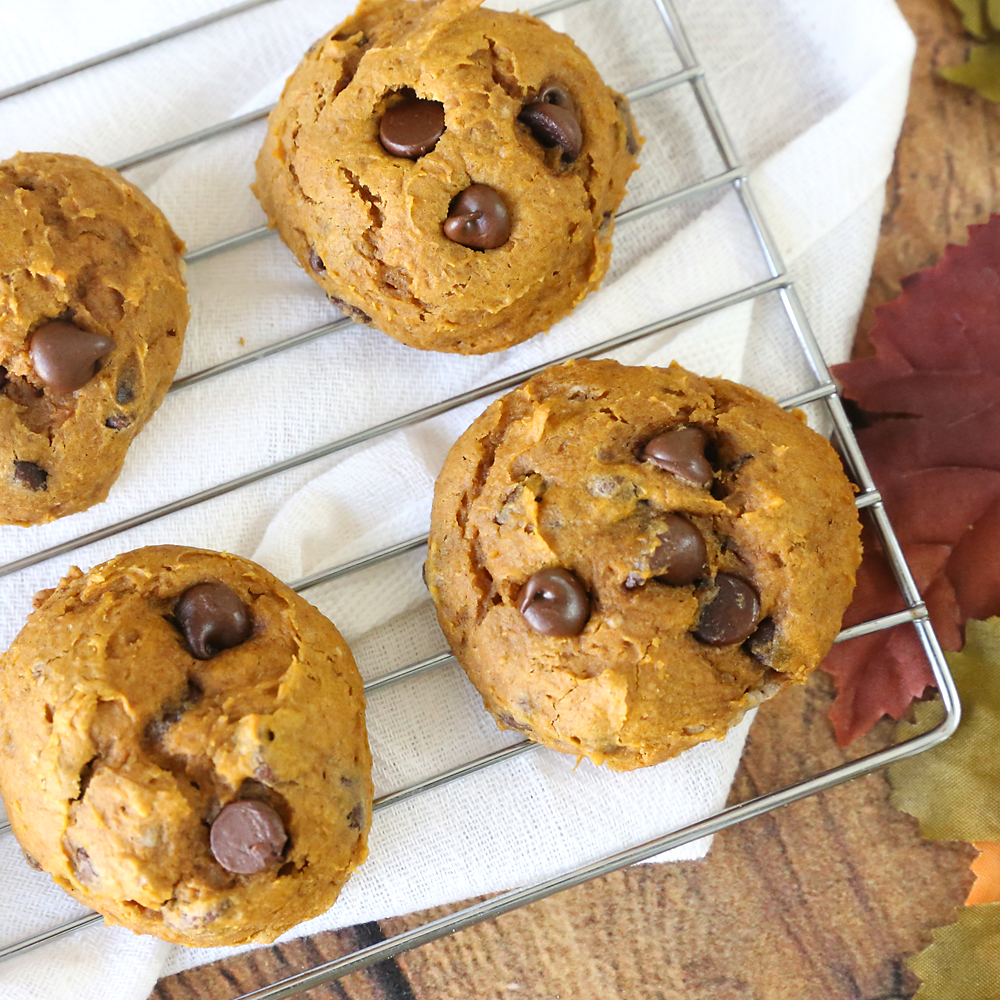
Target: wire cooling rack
818,389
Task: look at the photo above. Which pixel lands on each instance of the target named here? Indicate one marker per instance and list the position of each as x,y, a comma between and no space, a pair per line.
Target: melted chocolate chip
125,392
247,836
316,262
731,616
118,421
65,357
682,452
554,125
32,476
353,312
356,817
554,602
478,218
3,376
212,618
412,127
761,644
681,555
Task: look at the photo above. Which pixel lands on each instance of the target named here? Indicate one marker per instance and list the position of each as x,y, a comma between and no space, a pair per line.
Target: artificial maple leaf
931,394
964,960
953,788
987,869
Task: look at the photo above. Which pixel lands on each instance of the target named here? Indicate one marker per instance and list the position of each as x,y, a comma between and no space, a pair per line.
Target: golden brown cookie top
625,559
182,746
92,316
448,173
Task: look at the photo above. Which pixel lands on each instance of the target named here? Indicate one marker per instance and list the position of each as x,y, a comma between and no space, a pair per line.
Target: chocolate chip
356,817
681,555
556,93
32,862
761,644
554,602
316,262
682,452
65,357
118,421
3,376
125,392
247,836
34,477
212,618
412,127
358,315
83,867
731,615
554,125
478,218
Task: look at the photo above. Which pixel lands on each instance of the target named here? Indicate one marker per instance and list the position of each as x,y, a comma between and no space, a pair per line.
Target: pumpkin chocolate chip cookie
624,560
448,174
183,747
92,316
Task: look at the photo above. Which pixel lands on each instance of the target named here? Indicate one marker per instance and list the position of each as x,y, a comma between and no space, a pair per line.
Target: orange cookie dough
624,560
92,315
183,747
448,174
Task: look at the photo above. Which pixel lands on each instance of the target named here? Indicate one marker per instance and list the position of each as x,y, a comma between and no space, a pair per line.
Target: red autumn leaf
932,398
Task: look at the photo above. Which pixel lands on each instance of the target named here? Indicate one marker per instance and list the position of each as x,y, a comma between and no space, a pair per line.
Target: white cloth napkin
813,92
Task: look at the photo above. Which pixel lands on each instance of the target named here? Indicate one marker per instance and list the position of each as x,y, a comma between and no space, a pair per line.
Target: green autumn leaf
964,960
981,72
954,788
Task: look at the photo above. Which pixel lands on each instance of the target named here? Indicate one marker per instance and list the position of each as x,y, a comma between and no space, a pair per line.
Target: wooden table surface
821,899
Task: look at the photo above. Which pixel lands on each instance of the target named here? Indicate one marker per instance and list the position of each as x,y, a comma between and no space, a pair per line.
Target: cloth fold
813,94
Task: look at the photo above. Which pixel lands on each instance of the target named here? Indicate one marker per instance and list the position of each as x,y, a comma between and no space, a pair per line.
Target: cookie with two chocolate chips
92,316
625,560
183,747
447,173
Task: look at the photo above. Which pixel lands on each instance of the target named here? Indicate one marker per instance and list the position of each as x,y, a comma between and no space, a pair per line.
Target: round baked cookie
624,560
183,747
448,174
92,315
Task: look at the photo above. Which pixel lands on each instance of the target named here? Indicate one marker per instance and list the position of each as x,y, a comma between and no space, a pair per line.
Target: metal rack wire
822,391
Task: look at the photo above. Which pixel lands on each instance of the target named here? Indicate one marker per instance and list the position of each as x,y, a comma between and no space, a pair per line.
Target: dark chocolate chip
356,817
556,93
554,602
3,376
125,392
478,218
682,452
212,618
554,125
247,836
412,127
118,421
65,357
316,262
731,616
681,555
761,644
34,477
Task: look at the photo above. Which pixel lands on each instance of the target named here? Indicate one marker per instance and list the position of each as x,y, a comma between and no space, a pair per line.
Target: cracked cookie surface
93,309
156,712
387,129
625,560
